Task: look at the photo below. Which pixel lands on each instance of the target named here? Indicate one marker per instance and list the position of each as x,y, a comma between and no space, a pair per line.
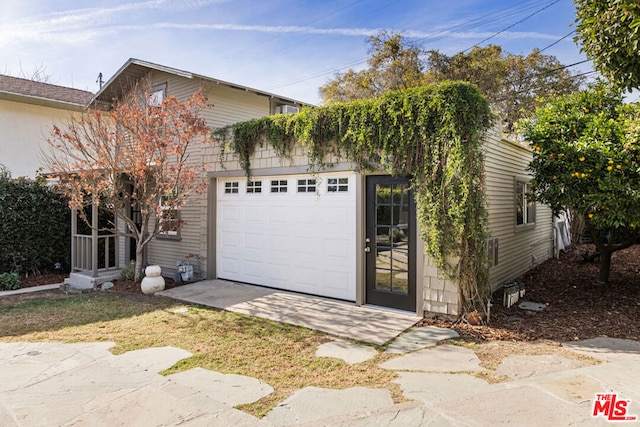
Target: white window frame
231,187
254,187
338,184
279,186
525,209
167,210
306,185
157,95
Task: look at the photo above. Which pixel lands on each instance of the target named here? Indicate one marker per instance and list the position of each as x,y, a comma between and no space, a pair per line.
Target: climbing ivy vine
432,134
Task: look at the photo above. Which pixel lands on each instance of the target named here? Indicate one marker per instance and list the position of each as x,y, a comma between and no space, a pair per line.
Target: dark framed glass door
390,243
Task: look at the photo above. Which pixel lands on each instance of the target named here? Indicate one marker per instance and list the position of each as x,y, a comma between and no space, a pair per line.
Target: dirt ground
576,306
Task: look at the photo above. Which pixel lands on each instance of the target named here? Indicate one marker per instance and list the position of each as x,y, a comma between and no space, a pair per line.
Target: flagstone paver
415,339
349,352
443,358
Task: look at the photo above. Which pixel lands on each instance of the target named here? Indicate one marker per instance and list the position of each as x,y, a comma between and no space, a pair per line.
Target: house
336,233
28,110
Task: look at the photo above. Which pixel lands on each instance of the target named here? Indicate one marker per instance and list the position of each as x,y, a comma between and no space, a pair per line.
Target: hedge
35,227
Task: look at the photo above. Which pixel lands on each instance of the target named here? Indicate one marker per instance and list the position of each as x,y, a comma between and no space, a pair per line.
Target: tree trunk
138,269
605,266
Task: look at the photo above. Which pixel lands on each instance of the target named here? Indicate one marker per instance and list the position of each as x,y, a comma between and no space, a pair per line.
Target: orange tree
135,156
586,158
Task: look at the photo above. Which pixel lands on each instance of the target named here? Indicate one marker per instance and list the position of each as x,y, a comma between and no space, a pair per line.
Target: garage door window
254,187
306,186
279,186
337,185
231,187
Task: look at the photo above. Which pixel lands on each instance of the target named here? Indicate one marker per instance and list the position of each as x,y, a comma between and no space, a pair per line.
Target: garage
291,232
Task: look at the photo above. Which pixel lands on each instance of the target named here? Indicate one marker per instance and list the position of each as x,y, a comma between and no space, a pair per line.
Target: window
525,207
306,186
156,95
492,251
339,185
279,186
169,217
231,187
254,187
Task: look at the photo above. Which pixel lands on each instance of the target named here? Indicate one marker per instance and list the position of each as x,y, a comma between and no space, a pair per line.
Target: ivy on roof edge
433,134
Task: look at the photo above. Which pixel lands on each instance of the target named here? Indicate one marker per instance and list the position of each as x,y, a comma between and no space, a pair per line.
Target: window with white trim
169,220
254,187
525,207
307,185
278,185
231,187
337,185
157,94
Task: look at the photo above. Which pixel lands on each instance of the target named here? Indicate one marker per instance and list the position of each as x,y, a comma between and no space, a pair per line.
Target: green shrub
35,230
9,282
129,272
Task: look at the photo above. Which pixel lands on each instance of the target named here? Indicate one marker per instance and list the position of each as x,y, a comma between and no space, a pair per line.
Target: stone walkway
51,384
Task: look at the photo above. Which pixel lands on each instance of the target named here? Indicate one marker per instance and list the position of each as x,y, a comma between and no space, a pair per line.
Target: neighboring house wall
24,129
28,111
520,248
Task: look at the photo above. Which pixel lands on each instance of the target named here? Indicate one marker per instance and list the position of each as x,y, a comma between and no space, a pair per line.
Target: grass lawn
281,355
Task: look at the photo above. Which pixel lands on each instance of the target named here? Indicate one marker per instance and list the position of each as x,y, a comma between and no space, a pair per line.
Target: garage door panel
230,213
253,240
337,281
230,265
231,239
254,269
302,242
254,215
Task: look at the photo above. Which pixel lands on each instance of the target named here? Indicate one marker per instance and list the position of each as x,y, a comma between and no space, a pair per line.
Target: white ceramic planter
153,281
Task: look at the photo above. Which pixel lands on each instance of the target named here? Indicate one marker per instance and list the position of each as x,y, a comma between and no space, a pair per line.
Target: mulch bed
577,306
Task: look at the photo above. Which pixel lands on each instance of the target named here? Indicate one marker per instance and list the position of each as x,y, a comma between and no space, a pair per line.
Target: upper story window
231,187
337,185
254,187
157,94
525,207
278,185
306,186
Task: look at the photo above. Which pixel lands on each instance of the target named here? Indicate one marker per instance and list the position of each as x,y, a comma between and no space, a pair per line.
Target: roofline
40,100
189,75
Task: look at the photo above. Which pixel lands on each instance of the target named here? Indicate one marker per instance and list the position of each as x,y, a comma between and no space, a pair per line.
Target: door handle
367,249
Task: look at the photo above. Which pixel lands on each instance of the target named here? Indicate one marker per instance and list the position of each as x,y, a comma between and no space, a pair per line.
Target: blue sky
289,47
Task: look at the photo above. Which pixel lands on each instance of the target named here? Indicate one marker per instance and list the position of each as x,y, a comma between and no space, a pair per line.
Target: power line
557,41
512,25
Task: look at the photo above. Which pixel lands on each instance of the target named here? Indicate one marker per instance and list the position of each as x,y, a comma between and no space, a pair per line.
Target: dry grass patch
281,355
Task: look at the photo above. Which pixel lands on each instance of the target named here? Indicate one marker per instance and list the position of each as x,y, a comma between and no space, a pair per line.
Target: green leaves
608,32
432,134
587,157
35,227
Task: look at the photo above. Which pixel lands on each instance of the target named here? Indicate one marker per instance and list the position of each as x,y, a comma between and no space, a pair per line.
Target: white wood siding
520,249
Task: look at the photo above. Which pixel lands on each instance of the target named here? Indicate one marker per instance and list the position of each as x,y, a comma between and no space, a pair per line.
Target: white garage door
294,232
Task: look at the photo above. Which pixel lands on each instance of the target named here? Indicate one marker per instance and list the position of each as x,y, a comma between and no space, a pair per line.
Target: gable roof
134,69
32,92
